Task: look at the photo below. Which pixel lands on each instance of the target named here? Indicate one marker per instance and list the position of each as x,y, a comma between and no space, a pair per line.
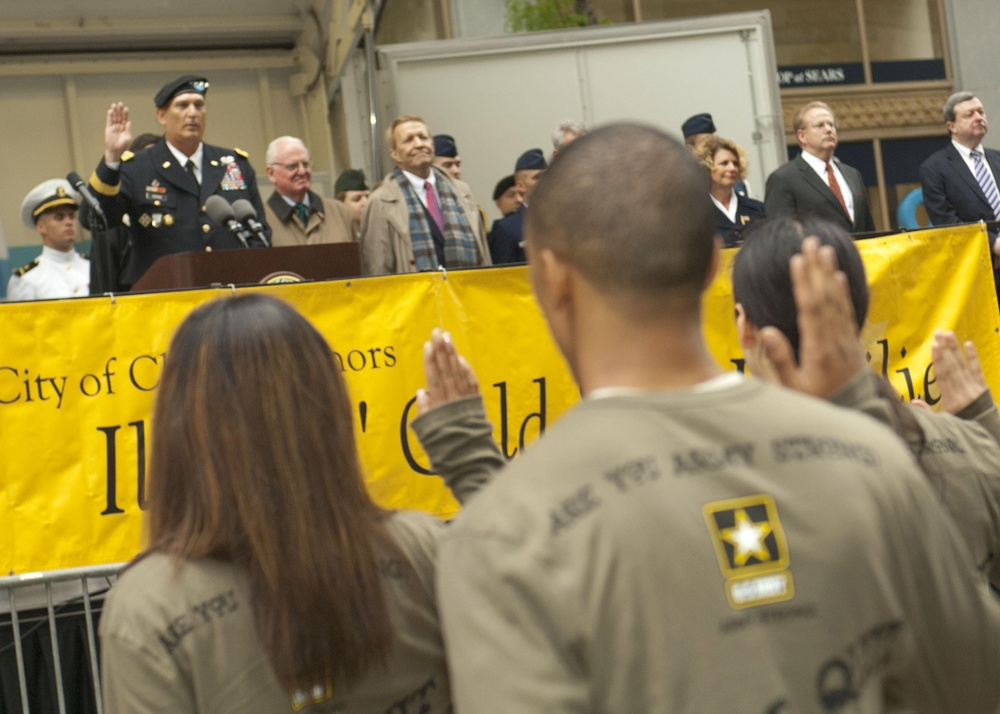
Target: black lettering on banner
416,701
573,508
404,440
14,396
362,359
140,380
504,426
111,466
931,401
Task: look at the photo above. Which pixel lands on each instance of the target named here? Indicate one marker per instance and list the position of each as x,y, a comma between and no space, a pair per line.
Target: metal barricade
59,611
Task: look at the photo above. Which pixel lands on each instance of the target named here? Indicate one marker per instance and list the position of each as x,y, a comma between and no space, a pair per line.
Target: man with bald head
297,215
687,539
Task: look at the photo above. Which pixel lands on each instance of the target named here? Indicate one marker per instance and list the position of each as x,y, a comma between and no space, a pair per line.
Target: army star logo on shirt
752,551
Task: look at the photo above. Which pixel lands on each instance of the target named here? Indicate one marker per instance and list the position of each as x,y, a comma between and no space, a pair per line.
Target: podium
249,266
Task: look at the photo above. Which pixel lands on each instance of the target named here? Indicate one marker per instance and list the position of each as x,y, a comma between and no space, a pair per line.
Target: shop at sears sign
820,75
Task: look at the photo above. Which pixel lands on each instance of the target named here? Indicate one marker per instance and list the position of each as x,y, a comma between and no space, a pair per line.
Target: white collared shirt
729,210
305,201
966,154
819,166
196,157
418,185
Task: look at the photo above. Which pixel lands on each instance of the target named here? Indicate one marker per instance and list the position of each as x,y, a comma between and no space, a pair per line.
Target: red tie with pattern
835,187
432,205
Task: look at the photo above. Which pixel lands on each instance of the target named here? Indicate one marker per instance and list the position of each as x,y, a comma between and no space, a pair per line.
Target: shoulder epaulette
25,268
127,156
241,152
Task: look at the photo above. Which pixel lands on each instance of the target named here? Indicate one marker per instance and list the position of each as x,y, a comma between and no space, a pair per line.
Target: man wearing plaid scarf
420,218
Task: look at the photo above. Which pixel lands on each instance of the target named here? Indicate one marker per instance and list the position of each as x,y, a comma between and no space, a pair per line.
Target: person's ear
747,332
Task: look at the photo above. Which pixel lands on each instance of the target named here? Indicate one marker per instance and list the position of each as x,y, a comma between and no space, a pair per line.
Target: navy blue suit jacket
507,237
951,193
747,210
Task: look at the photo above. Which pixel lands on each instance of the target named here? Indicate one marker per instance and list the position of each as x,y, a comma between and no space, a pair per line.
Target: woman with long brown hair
271,581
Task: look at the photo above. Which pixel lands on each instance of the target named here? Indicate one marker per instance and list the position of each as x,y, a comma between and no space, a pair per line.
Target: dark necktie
432,205
189,167
303,211
835,187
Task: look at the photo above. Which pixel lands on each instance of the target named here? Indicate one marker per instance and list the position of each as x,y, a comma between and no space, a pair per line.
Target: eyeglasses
291,167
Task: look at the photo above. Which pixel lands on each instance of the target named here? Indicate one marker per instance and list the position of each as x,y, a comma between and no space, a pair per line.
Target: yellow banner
77,378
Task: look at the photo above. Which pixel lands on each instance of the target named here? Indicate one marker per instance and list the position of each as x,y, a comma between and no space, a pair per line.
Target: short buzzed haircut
390,133
955,99
649,237
800,115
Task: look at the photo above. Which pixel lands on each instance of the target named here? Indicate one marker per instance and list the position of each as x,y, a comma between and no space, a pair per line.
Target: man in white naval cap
59,272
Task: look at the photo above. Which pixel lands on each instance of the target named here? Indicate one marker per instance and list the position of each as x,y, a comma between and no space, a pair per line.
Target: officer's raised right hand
117,133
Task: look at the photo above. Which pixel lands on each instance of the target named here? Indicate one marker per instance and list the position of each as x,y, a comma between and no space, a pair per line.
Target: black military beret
502,185
350,180
444,145
187,83
531,159
698,124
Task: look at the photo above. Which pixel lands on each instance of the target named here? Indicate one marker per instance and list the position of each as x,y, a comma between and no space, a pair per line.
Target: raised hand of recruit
117,132
959,374
830,353
449,376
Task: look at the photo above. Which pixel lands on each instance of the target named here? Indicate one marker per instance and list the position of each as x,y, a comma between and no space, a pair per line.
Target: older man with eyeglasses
297,215
817,183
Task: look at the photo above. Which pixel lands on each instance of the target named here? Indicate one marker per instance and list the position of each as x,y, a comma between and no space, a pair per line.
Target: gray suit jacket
796,189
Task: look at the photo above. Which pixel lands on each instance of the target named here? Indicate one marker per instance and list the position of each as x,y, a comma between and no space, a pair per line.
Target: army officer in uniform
59,272
162,190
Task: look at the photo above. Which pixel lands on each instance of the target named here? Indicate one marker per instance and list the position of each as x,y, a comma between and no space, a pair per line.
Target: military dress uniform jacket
165,205
51,275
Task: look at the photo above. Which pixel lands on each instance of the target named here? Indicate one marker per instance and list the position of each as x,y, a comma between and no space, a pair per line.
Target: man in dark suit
953,190
160,193
507,235
815,182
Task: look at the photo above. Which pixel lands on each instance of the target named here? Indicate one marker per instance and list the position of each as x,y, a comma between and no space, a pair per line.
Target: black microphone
219,210
81,186
247,214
